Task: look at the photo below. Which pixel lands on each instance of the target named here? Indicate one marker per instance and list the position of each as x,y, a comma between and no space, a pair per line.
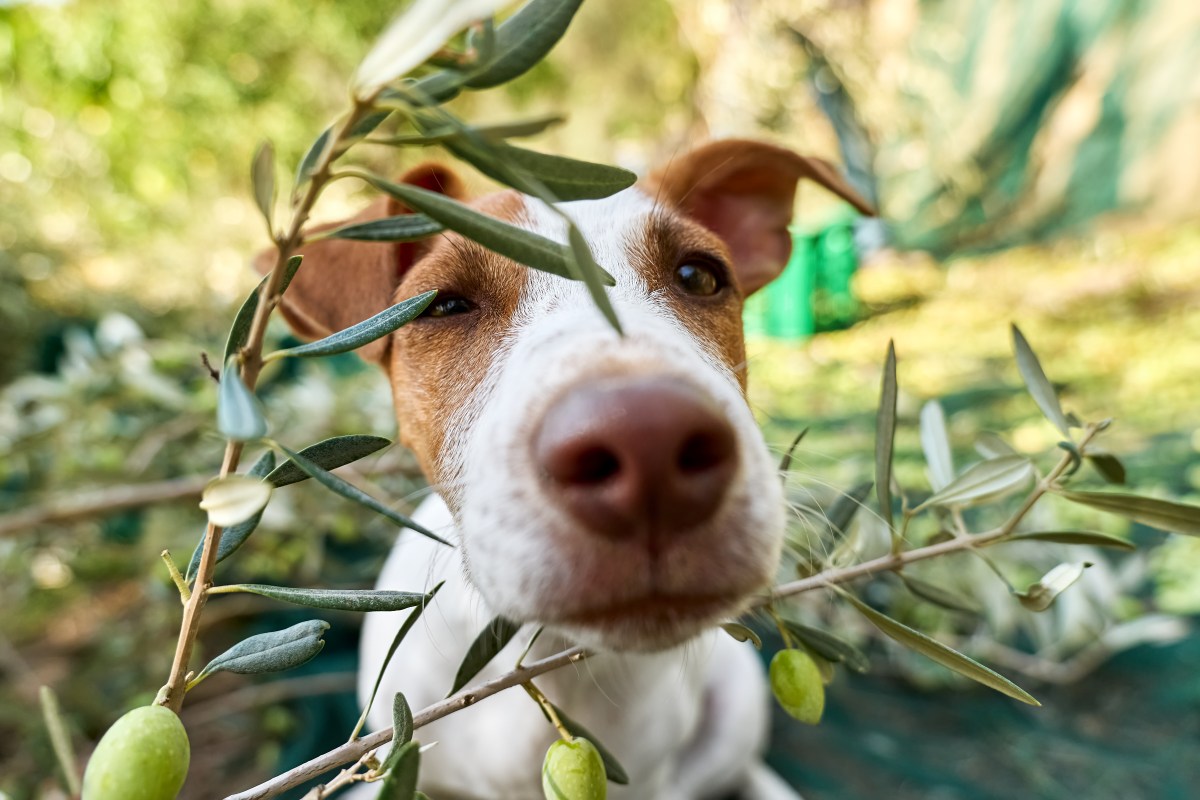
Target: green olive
574,771
143,756
797,685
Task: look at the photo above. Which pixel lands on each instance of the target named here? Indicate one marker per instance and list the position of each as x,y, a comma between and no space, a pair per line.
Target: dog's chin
646,624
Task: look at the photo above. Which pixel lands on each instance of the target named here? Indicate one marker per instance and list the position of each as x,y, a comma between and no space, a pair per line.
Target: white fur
687,722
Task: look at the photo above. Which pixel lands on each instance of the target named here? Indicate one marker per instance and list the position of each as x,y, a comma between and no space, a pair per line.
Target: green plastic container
814,292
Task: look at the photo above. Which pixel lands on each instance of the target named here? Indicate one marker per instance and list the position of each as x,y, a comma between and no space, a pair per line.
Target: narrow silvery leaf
1108,465
361,600
233,536
936,651
842,511
60,738
592,275
239,414
262,175
990,445
1042,594
516,243
364,332
742,634
402,228
785,463
312,158
271,652
829,647
566,178
328,454
1090,538
234,499
396,640
885,436
1163,514
240,330
419,32
402,720
940,596
985,481
523,40
1039,386
351,492
490,641
612,767
935,441
400,782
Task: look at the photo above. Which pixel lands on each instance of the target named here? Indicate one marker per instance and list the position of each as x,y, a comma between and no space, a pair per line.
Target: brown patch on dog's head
744,192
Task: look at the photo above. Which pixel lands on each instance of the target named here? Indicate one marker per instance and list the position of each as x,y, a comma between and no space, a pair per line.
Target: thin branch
250,357
352,751
100,502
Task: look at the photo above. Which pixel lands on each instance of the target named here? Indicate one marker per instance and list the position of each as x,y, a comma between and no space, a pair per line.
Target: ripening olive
797,685
143,756
573,771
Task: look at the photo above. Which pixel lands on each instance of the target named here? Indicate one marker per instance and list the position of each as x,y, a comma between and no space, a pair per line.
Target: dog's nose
637,456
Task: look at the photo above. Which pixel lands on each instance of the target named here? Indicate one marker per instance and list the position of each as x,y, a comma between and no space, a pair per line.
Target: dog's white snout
636,458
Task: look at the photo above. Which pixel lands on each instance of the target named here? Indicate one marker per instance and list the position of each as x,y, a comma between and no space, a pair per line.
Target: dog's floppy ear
744,191
342,282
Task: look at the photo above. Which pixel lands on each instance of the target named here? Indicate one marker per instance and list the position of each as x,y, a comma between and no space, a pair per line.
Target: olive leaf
350,492
936,651
239,332
362,128
612,767
1071,537
402,228
885,437
785,463
490,641
1041,595
990,445
935,441
566,178
364,332
591,274
1039,386
523,40
337,599
328,454
400,783
239,413
829,647
402,732
939,595
1108,465
234,499
842,511
742,634
520,245
984,481
270,652
262,177
234,535
409,622
1163,514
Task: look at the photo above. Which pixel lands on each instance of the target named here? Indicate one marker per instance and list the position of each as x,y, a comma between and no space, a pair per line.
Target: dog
614,489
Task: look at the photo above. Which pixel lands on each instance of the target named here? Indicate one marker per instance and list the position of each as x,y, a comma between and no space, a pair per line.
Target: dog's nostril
594,465
701,452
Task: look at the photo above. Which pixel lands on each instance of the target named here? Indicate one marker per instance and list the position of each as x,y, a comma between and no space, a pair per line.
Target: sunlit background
1034,161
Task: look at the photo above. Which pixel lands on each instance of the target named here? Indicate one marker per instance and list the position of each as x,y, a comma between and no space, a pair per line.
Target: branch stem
250,358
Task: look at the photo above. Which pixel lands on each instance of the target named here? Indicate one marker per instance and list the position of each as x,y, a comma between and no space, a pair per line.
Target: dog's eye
699,277
448,306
